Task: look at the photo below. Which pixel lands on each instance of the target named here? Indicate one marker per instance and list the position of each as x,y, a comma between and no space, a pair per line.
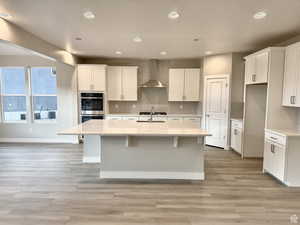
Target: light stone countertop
286,132
133,128
168,115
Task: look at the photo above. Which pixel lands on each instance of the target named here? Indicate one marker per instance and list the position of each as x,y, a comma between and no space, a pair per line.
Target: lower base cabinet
281,157
236,136
274,159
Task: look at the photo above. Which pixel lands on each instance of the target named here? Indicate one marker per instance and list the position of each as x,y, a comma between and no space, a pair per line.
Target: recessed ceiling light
173,15
163,53
89,15
137,39
260,15
5,15
208,52
78,39
118,52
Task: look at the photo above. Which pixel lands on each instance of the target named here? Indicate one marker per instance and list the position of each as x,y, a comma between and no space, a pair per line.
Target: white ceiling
221,25
10,49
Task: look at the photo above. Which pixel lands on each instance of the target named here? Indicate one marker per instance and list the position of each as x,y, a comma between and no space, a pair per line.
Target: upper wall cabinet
91,77
122,83
257,67
291,86
184,85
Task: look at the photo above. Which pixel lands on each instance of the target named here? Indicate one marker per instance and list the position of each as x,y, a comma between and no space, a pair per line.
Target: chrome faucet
151,113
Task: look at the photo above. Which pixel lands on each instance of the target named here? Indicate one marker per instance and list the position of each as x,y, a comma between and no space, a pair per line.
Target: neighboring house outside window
43,91
13,94
28,96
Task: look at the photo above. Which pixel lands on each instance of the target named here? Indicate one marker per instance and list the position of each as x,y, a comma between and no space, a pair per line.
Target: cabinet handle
273,138
272,148
294,100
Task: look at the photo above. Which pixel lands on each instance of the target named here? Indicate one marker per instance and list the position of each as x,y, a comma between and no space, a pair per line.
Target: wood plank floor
48,184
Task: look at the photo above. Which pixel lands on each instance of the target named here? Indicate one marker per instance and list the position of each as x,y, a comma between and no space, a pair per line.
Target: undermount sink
149,121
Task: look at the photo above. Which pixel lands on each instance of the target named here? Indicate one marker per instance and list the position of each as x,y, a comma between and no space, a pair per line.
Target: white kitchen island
143,150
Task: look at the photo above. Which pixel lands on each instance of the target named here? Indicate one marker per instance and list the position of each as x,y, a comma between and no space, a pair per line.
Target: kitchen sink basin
149,121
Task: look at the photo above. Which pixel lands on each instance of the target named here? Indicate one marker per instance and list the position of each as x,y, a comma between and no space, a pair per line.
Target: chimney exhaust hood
153,82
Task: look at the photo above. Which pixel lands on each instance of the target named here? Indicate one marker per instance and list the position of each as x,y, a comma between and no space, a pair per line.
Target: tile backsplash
171,108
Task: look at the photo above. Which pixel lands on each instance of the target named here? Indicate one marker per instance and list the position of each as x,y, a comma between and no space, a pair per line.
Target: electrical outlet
116,106
181,106
134,106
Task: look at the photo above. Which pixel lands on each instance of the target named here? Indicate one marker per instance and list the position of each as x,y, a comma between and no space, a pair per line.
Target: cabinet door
233,138
249,69
261,67
114,87
129,83
238,140
84,73
290,76
279,161
191,85
176,84
268,157
98,78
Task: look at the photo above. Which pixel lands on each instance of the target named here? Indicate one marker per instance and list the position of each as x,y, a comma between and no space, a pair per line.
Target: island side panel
152,158
92,149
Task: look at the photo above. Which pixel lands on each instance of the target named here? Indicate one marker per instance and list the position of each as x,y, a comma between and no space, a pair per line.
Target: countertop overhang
133,128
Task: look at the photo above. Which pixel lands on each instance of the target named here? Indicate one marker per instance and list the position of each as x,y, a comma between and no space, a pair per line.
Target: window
13,94
43,91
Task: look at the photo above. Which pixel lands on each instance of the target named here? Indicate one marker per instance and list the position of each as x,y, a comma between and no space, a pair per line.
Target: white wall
16,35
232,64
67,105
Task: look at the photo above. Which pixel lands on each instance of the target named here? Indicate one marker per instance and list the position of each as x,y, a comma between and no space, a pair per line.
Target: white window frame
2,118
40,95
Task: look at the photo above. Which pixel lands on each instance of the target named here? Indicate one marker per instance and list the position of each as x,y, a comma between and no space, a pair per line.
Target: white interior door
216,98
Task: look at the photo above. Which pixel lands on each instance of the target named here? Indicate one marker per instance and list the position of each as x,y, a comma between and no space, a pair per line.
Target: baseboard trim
38,140
91,160
152,175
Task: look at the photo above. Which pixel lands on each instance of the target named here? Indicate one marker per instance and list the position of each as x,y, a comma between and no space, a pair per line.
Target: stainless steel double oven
91,106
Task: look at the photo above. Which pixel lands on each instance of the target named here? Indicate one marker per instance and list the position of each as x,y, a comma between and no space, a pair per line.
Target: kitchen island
143,150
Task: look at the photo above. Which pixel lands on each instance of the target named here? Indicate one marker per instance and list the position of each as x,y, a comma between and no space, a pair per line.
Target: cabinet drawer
237,124
276,138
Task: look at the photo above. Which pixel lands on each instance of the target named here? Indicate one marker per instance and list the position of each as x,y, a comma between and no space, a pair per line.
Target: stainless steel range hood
153,82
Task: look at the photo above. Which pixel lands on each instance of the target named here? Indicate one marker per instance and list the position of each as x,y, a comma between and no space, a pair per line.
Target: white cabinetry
291,88
274,155
257,67
236,135
122,83
184,84
281,157
91,77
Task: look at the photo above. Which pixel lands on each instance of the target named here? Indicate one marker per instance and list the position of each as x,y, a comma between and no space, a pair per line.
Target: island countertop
133,128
